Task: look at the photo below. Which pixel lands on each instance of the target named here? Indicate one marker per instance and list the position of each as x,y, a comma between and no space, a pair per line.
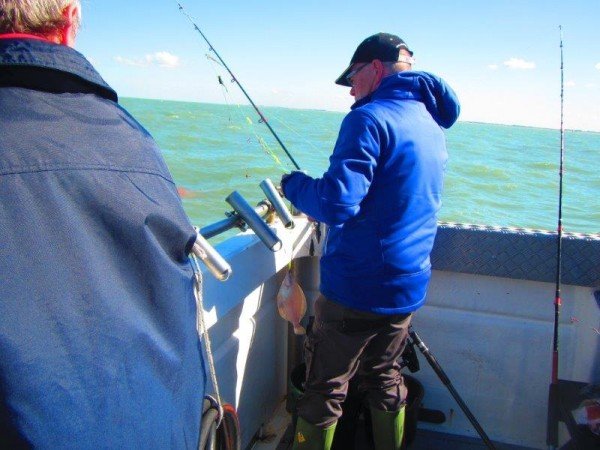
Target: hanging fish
291,302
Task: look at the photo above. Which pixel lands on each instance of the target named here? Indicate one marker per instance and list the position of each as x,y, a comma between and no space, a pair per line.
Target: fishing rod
233,77
557,299
553,394
414,339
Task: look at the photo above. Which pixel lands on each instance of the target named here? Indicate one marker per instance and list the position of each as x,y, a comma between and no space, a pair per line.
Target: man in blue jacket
98,341
380,197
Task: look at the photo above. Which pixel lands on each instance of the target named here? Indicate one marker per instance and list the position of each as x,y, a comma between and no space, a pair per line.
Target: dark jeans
345,341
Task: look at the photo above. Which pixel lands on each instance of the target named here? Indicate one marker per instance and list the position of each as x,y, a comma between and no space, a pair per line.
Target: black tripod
411,361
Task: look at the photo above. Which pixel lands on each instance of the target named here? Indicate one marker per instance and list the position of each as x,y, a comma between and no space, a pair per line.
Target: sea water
496,175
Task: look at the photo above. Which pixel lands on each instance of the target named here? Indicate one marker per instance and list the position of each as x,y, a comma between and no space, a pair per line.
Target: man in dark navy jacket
380,197
98,342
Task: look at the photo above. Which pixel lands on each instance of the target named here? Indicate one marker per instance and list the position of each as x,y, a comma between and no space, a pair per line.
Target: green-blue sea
497,174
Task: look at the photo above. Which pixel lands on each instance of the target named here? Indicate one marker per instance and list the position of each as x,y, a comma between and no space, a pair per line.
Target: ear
379,70
68,32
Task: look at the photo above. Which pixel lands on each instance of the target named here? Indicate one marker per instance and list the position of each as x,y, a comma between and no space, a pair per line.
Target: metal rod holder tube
273,196
213,260
253,220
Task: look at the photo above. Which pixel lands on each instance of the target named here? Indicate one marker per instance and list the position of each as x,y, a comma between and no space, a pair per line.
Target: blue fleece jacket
381,194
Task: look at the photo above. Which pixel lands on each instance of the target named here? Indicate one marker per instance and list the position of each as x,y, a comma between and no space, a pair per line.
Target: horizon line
343,113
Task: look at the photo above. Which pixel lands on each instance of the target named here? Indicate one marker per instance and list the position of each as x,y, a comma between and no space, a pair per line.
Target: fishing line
224,89
244,117
296,133
234,79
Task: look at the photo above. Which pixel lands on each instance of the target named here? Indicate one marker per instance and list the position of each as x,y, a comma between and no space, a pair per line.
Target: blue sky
501,57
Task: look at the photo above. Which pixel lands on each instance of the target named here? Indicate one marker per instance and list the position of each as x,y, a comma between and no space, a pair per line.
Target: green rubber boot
311,437
388,428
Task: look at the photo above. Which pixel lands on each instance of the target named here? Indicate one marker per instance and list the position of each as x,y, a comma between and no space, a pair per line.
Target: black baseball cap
382,46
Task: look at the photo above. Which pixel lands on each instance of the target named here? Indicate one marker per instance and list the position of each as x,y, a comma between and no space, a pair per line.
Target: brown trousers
342,342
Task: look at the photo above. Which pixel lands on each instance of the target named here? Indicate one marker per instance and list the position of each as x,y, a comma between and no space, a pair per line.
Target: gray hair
397,66
39,17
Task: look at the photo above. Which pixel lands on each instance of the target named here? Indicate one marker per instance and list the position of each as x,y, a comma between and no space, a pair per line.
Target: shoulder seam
81,167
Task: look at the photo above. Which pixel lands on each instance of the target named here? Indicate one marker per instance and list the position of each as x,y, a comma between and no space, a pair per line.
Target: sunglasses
354,72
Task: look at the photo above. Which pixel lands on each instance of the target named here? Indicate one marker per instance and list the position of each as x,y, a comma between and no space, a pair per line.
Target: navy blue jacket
98,345
381,194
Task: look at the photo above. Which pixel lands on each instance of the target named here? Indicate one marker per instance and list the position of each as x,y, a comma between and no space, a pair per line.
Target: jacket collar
363,101
22,36
28,53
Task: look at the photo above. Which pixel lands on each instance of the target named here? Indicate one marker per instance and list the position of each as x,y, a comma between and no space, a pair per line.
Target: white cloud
597,66
161,59
519,64
164,59
570,83
493,66
591,85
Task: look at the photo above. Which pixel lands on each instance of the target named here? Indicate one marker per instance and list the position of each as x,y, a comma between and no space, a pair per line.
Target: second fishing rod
234,78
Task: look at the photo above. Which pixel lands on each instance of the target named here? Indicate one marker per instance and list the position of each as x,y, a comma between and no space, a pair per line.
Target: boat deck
424,440
278,435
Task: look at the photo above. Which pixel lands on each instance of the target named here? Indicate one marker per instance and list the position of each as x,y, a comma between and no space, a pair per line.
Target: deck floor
424,440
280,437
